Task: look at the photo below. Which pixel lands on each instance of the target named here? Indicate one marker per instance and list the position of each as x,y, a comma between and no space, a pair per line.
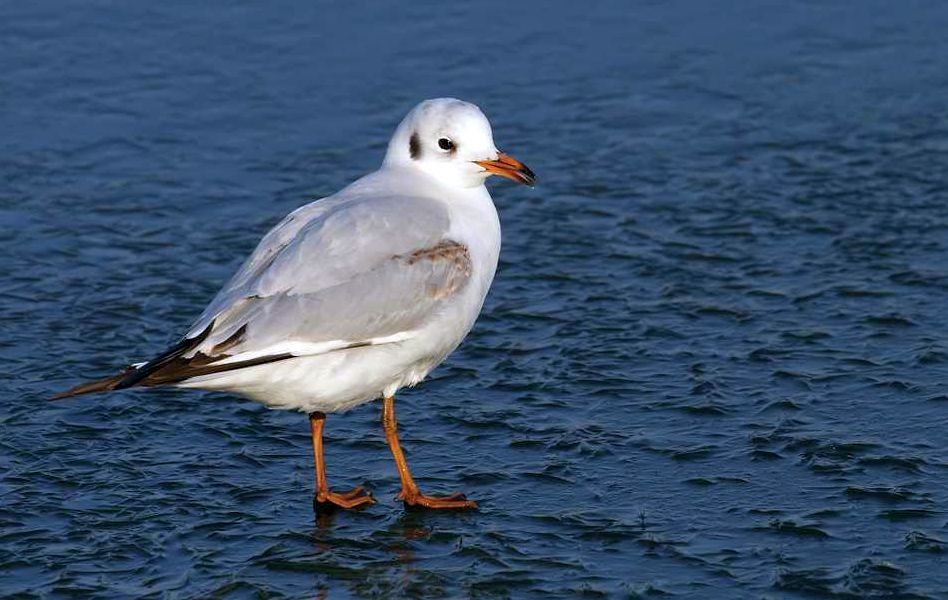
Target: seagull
356,295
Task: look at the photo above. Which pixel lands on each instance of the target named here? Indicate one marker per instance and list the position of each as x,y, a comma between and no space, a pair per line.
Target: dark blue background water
713,363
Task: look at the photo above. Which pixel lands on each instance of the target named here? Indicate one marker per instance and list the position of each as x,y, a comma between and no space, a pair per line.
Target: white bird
358,294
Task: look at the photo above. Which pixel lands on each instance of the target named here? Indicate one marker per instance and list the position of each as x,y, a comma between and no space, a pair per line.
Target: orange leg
351,499
410,493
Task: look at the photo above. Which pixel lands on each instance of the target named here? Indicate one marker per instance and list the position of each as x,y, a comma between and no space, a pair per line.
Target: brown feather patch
236,338
455,256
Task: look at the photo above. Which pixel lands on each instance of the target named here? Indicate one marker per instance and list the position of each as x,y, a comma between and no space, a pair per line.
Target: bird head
451,140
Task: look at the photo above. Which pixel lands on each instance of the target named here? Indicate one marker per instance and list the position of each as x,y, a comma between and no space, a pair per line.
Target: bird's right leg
325,497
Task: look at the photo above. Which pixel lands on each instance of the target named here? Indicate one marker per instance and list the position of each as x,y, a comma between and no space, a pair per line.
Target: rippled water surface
713,363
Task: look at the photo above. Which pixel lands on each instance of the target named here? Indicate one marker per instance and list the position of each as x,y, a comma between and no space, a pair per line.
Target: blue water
713,363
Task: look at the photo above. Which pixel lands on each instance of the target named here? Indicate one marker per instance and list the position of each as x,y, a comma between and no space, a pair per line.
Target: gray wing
338,273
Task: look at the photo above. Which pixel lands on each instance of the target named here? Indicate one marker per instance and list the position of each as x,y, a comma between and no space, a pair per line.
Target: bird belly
335,381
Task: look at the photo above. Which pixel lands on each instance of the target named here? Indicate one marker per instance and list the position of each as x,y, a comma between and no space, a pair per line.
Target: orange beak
509,167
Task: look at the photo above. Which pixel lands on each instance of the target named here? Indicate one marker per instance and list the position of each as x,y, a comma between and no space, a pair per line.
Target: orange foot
458,500
351,499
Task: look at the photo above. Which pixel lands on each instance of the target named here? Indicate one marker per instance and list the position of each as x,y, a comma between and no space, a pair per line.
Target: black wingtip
132,376
138,375
91,387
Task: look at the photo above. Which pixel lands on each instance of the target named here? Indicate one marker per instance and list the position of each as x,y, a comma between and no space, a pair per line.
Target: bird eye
445,144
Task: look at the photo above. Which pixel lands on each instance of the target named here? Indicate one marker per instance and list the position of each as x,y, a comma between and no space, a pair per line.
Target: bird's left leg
410,493
325,497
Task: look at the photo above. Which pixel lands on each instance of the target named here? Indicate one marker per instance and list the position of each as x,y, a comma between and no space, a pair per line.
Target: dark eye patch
414,146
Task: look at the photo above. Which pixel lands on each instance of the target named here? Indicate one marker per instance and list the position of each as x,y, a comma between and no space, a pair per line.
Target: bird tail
99,385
